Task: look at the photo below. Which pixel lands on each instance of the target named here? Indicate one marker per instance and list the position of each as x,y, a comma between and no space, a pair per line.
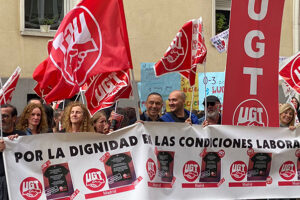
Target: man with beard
178,113
213,111
154,104
9,117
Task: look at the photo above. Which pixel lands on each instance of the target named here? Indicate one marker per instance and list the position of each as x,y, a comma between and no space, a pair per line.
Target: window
222,15
37,12
43,11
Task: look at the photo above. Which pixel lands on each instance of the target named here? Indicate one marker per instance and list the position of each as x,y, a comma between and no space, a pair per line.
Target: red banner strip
74,194
288,183
247,184
110,192
160,185
200,185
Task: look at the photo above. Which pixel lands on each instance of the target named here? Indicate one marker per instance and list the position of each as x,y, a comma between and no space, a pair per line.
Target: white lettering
263,10
259,45
254,72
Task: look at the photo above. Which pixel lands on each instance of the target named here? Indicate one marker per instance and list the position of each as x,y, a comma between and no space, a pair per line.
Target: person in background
154,104
9,116
118,119
287,116
178,113
36,101
130,112
213,111
76,118
99,122
49,112
295,102
33,120
57,118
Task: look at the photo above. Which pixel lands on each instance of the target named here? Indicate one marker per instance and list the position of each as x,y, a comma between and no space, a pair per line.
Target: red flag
178,55
91,39
8,88
290,72
199,51
105,89
185,52
251,82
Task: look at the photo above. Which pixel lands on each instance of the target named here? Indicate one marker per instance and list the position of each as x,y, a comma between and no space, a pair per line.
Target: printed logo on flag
177,52
295,71
31,188
105,87
151,168
238,170
250,112
77,40
287,170
94,179
191,171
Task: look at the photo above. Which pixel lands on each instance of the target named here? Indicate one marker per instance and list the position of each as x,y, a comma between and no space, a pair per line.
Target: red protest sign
251,82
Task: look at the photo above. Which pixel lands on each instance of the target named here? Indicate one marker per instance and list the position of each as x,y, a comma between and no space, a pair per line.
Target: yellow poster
187,89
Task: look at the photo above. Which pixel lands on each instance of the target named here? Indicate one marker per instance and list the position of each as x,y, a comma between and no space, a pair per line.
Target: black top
56,175
119,164
260,164
164,158
145,117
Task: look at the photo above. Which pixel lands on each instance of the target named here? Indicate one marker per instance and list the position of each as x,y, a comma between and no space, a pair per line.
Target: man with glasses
213,111
9,117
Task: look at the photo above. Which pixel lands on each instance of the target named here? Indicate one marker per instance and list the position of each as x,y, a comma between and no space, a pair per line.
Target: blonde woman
76,118
287,116
33,120
99,122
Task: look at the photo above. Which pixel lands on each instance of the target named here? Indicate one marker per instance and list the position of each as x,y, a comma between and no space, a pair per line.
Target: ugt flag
290,71
10,85
105,89
186,50
199,51
91,39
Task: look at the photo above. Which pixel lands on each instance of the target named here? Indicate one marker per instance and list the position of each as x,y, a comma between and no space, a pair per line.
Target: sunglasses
211,103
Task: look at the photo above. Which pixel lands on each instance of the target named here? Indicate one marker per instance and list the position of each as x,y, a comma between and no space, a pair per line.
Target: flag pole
135,95
1,126
205,83
3,96
192,102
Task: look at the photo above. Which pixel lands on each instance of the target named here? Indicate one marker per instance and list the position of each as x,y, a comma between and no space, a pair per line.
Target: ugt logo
176,52
31,188
77,45
250,112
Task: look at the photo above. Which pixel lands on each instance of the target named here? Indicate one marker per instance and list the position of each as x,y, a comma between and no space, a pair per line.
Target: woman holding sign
76,118
33,120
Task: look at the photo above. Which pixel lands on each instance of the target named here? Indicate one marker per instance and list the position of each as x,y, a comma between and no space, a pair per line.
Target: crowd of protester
38,118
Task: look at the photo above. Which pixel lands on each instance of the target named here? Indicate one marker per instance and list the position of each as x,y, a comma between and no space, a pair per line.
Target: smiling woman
286,115
76,118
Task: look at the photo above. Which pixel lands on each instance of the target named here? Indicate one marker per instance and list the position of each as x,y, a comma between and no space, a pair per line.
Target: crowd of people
38,118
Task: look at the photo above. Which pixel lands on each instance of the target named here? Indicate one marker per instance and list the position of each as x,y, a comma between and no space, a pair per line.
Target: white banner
156,161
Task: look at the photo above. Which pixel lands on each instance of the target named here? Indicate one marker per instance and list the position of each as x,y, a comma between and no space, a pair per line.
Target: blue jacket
168,117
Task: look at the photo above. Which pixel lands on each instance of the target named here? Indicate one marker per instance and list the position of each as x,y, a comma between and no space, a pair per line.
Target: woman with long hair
99,122
76,118
287,116
33,120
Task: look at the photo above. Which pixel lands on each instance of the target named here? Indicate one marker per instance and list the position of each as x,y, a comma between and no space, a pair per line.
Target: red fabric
290,72
199,51
105,89
178,56
251,82
91,39
185,52
9,87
